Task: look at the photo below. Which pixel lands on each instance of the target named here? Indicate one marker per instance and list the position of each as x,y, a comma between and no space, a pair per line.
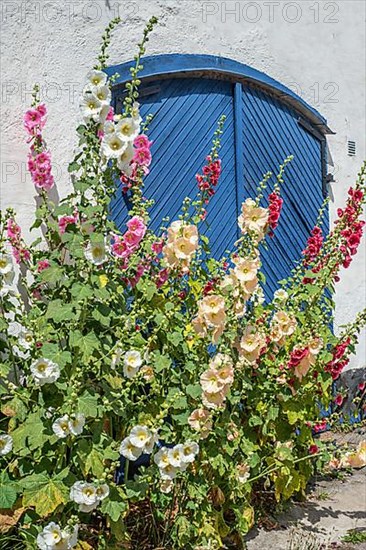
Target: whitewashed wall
317,48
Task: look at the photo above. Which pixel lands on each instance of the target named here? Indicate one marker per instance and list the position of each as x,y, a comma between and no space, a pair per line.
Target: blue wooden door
271,132
186,112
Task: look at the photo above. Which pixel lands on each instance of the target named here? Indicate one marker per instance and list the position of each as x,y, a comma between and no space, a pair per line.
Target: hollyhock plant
150,393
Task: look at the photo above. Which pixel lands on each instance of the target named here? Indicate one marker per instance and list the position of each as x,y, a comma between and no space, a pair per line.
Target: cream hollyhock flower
45,371
90,107
6,444
161,458
166,486
251,344
102,491
212,309
132,363
315,346
214,400
242,472
128,450
127,129
253,218
190,450
95,252
140,436
116,357
61,427
84,494
113,146
200,420
135,112
280,295
210,381
169,472
76,424
97,78
54,538
246,269
6,263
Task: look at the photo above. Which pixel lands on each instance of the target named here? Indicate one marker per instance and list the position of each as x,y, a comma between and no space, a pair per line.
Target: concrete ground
333,508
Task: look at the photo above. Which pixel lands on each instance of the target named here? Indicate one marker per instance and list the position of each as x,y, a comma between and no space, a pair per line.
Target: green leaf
44,493
194,390
60,312
88,404
86,343
255,421
161,362
175,338
94,463
113,506
8,491
51,274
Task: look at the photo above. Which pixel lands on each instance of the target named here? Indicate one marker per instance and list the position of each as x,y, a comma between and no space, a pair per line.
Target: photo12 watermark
271,12
49,92
53,11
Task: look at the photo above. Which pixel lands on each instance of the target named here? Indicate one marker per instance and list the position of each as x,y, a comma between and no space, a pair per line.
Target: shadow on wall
108,4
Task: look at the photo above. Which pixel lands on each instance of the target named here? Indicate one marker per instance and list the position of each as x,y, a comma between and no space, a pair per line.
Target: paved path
333,508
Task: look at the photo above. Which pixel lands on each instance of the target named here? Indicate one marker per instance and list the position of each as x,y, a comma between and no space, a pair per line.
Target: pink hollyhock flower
142,156
142,142
120,249
42,109
42,265
157,247
64,221
163,276
132,240
110,114
13,230
32,118
338,400
137,226
313,449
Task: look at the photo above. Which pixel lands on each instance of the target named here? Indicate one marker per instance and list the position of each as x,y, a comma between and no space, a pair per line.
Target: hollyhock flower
121,249
42,265
137,226
251,344
140,436
129,451
142,141
214,400
132,363
142,156
76,424
166,486
90,107
313,449
44,371
103,94
242,472
189,449
161,458
54,538
127,129
113,146
97,78
64,221
157,247
131,239
6,263
212,309
6,444
176,456
253,218
280,295
84,494
163,276
246,269
125,159
338,400
95,252
32,119
61,427
211,382
200,420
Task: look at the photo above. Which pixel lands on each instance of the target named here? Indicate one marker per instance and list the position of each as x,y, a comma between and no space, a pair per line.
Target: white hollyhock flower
169,472
25,338
166,486
280,295
90,107
6,263
116,357
176,456
135,113
149,445
109,127
132,363
140,436
128,450
15,328
76,424
102,491
113,146
97,78
6,444
45,371
190,450
103,93
161,458
84,494
61,427
96,253
128,128
54,538
124,160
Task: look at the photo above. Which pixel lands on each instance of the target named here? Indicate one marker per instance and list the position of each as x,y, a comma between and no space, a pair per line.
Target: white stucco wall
317,48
